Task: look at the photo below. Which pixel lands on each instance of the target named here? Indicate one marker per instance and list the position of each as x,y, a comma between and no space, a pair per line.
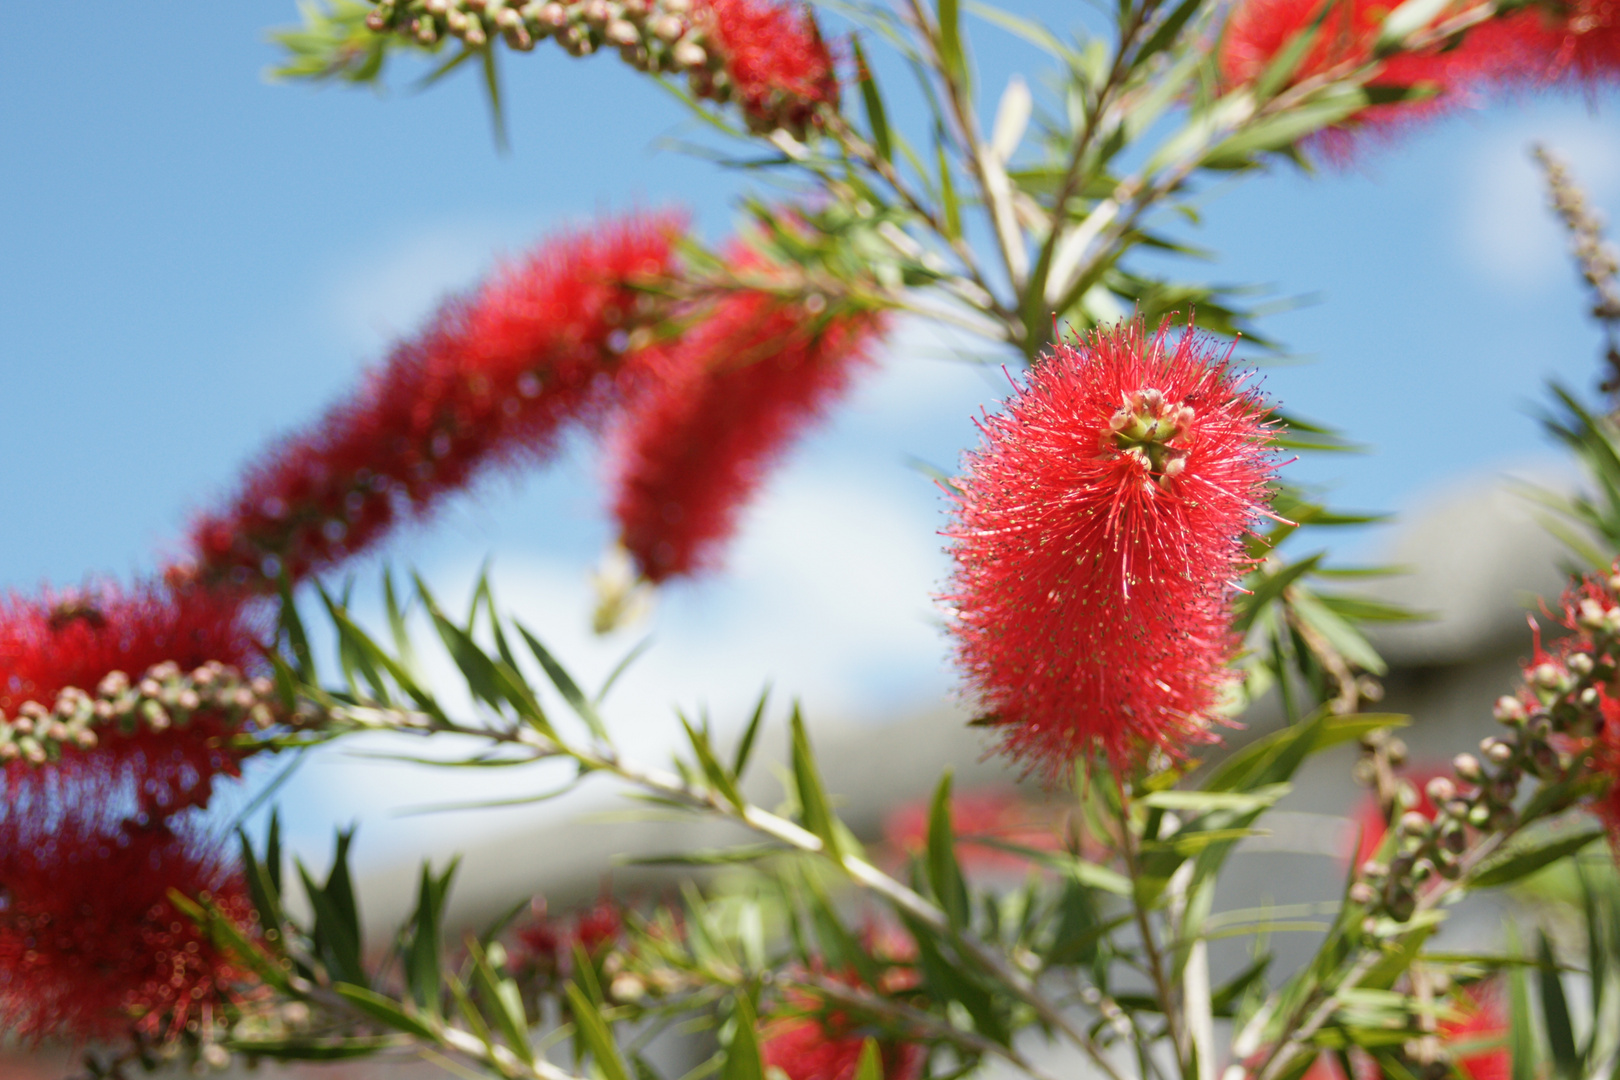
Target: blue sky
198,259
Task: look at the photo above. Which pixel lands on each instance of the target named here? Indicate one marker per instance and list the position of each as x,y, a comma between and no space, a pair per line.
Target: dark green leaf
1527,857
593,1031
943,872
386,1011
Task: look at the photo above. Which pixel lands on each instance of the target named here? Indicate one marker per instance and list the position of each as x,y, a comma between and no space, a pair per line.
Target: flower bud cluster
666,37
164,697
1556,715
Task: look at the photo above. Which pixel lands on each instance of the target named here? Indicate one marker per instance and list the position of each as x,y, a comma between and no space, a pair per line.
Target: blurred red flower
91,947
489,382
1099,528
977,816
77,639
718,407
779,69
814,1049
1529,48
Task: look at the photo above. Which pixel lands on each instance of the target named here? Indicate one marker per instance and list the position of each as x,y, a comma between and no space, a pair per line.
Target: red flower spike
779,69
91,947
810,1049
78,639
722,404
1529,48
1098,529
977,816
490,382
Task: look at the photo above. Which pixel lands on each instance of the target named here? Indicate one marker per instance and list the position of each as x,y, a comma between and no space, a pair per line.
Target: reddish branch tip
490,382
91,947
780,70
718,408
1099,528
78,638
1530,48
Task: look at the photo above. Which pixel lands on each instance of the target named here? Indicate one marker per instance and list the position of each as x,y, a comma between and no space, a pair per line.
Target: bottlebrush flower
811,1048
977,816
1525,49
490,382
720,406
76,642
1099,528
91,947
774,63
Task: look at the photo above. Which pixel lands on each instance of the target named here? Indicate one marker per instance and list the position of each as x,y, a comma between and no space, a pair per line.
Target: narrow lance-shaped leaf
593,1030
876,117
743,1060
503,1001
943,872
565,685
1555,1014
745,745
813,802
385,1010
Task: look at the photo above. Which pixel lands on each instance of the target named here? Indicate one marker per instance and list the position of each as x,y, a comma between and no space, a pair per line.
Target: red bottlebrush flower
1098,530
1484,1020
776,65
490,382
91,947
813,1049
977,816
600,927
79,639
1524,49
721,405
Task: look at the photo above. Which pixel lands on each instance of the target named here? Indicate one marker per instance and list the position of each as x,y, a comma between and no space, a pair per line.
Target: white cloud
1507,232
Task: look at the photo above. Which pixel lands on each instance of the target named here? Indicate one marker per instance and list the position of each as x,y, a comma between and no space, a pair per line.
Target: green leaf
720,780
492,88
745,746
1521,1035
947,194
869,1066
813,802
742,1055
422,972
943,872
1286,128
950,41
1526,858
1345,638
291,627
504,1002
708,856
1267,588
1555,1013
565,684
1028,29
385,1011
1287,59
593,1030
325,1048
876,118
1206,801
1167,32
1274,759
